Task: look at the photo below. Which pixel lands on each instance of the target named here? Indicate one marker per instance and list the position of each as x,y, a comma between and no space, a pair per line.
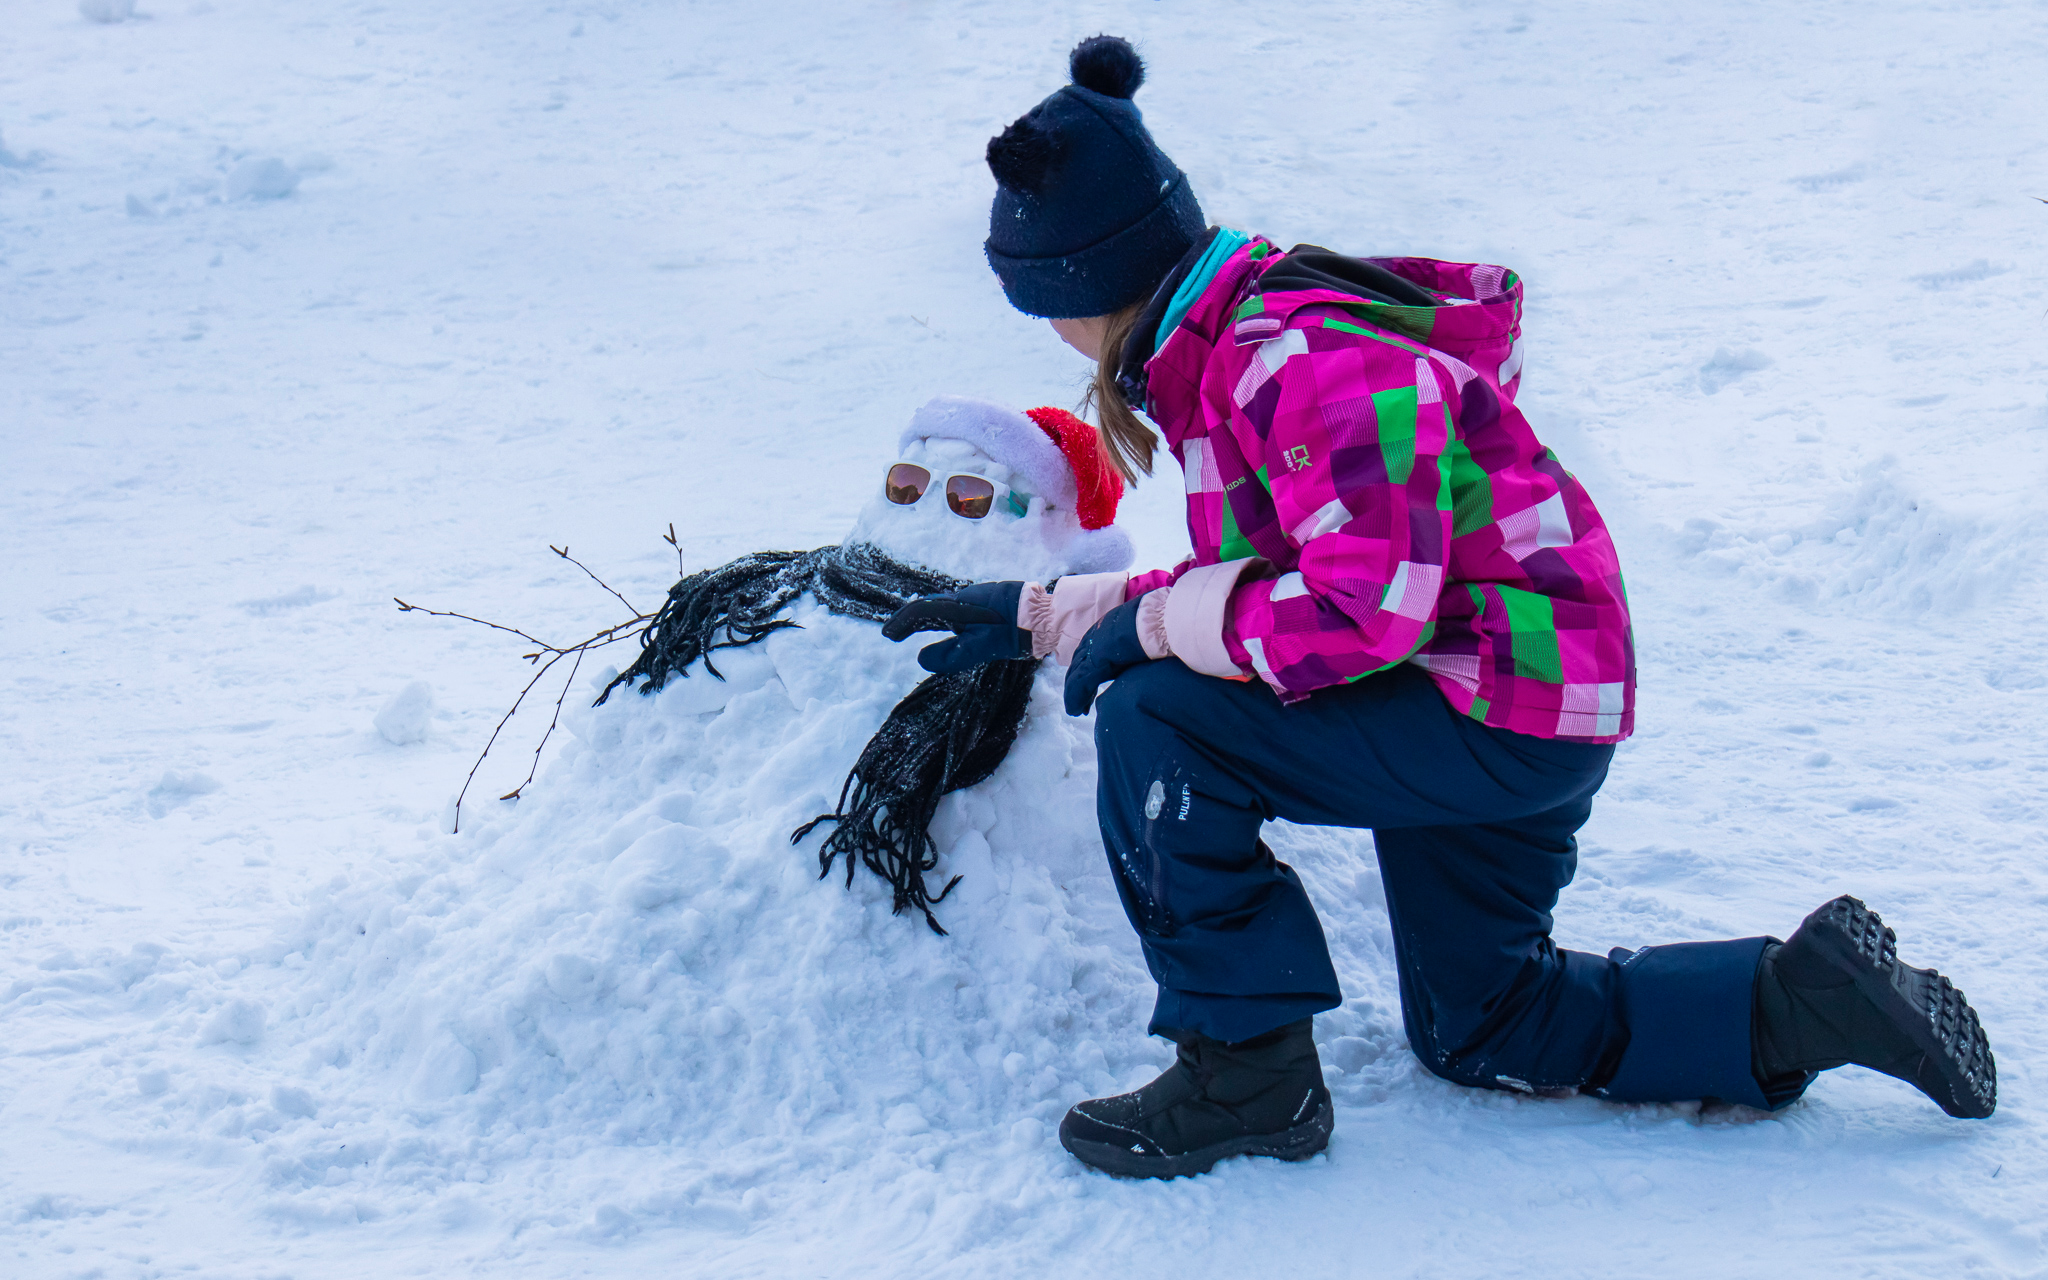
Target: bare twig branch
670,539
502,722
543,658
403,607
568,684
563,551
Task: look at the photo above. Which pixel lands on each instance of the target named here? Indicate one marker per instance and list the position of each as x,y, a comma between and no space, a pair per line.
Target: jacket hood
1470,312
1459,308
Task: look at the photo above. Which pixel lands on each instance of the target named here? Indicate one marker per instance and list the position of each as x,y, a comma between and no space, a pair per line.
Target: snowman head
1051,495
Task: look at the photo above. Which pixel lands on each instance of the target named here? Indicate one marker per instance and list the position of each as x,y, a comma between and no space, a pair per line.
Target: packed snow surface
308,307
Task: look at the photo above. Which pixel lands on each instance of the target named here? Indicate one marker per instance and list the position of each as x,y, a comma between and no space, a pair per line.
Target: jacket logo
1296,458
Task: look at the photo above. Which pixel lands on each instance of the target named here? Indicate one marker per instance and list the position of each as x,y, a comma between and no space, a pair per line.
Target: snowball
293,1102
572,978
107,10
176,788
237,1022
404,719
266,179
1351,1054
446,1070
1728,366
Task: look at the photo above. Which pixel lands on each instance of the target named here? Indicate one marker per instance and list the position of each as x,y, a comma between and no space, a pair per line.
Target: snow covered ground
306,306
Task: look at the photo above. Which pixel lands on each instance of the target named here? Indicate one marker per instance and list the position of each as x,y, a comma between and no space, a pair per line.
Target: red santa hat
1052,454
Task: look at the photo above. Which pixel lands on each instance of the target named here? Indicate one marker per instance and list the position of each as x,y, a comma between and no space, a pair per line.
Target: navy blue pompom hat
1089,214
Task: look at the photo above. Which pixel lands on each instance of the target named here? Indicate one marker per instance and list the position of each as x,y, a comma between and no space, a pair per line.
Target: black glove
982,618
1110,648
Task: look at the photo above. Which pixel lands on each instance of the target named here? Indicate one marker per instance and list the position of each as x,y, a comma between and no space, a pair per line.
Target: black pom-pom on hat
1108,65
1020,154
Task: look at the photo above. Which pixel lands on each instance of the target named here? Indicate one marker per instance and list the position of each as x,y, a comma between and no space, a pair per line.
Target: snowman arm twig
563,551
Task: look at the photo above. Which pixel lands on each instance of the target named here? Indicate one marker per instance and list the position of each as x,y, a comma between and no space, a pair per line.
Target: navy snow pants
1474,827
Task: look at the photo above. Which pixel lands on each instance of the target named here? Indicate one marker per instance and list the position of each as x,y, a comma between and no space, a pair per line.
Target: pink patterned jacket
1362,491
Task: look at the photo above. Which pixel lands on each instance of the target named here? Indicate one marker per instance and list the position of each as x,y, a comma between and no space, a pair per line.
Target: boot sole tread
1855,941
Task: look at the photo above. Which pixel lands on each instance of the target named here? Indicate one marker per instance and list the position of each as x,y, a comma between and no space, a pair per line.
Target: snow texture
107,10
311,306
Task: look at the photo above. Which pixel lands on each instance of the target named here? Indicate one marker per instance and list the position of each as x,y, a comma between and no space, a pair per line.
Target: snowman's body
636,953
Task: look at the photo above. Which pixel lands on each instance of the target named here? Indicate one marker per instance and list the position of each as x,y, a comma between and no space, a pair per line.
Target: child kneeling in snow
1401,614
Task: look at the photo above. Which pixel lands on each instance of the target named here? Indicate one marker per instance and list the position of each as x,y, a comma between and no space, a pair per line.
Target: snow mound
262,178
1878,546
636,956
106,10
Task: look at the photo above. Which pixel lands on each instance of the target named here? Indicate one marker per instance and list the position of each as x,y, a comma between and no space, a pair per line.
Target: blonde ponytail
1126,439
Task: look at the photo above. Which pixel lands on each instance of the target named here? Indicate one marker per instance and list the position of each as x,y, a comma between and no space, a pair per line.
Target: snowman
977,491
986,493
634,971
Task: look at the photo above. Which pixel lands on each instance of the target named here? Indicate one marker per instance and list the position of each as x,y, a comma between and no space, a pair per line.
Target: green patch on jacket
1471,489
1395,408
1532,629
1416,322
1427,634
1342,326
1232,544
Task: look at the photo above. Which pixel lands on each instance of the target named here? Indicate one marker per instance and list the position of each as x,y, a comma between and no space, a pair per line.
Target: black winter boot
1258,1097
1836,993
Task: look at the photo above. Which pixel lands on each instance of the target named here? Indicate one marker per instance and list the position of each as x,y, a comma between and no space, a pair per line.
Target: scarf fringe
951,731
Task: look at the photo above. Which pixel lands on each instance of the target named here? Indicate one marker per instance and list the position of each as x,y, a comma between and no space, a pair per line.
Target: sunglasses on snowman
969,496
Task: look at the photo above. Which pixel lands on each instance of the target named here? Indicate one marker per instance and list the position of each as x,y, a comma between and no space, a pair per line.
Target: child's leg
1489,1000
1474,827
1191,766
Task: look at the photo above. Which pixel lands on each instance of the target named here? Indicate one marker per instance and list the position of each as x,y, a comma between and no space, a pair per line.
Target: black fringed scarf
951,731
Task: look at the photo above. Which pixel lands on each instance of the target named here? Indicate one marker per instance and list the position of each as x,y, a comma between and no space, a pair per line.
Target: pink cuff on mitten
1152,624
1034,614
1057,619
